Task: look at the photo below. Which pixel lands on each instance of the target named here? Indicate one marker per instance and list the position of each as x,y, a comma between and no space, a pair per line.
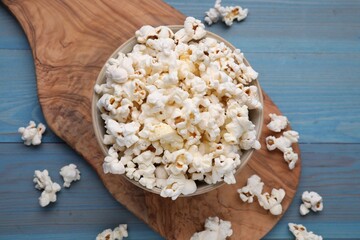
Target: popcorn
161,176
252,97
301,233
213,15
304,210
49,194
278,123
125,133
41,179
112,164
176,110
44,182
176,185
284,143
272,202
178,161
224,168
228,14
311,200
70,173
194,28
32,134
117,74
254,187
144,33
117,234
291,158
215,229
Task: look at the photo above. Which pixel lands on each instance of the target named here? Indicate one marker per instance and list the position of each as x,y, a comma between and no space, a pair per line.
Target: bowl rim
98,122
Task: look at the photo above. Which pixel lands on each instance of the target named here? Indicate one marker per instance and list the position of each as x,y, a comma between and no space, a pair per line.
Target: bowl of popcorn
177,110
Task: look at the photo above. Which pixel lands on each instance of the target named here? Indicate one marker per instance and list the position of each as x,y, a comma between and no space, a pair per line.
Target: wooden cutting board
70,41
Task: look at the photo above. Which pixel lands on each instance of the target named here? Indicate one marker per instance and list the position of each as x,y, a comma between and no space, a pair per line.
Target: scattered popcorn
213,14
311,200
284,143
41,178
272,202
278,123
118,233
227,14
43,182
301,233
70,173
176,110
303,209
32,134
215,229
254,189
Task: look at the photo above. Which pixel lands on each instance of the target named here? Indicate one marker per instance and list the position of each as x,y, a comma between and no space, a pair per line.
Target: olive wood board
70,41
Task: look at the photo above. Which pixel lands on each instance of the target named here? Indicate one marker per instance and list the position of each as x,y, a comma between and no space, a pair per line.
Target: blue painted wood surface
308,56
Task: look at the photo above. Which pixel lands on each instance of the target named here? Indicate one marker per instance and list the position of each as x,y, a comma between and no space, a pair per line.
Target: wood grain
70,41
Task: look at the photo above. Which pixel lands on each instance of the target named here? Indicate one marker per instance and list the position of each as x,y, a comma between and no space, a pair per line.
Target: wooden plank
272,26
83,210
287,25
323,87
86,209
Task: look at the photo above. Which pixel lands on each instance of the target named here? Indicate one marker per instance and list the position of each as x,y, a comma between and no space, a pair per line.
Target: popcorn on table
215,229
227,14
311,200
300,232
278,123
254,188
284,143
118,233
176,110
70,173
32,134
44,182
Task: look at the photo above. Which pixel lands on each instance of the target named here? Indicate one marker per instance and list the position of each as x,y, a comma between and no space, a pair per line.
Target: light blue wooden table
308,56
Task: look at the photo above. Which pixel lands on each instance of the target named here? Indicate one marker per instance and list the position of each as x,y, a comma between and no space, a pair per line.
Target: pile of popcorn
176,110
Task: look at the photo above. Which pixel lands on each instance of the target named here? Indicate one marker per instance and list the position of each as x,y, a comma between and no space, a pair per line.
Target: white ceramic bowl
256,116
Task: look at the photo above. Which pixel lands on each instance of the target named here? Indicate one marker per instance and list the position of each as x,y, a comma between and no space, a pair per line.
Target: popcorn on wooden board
284,143
215,229
254,188
277,123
